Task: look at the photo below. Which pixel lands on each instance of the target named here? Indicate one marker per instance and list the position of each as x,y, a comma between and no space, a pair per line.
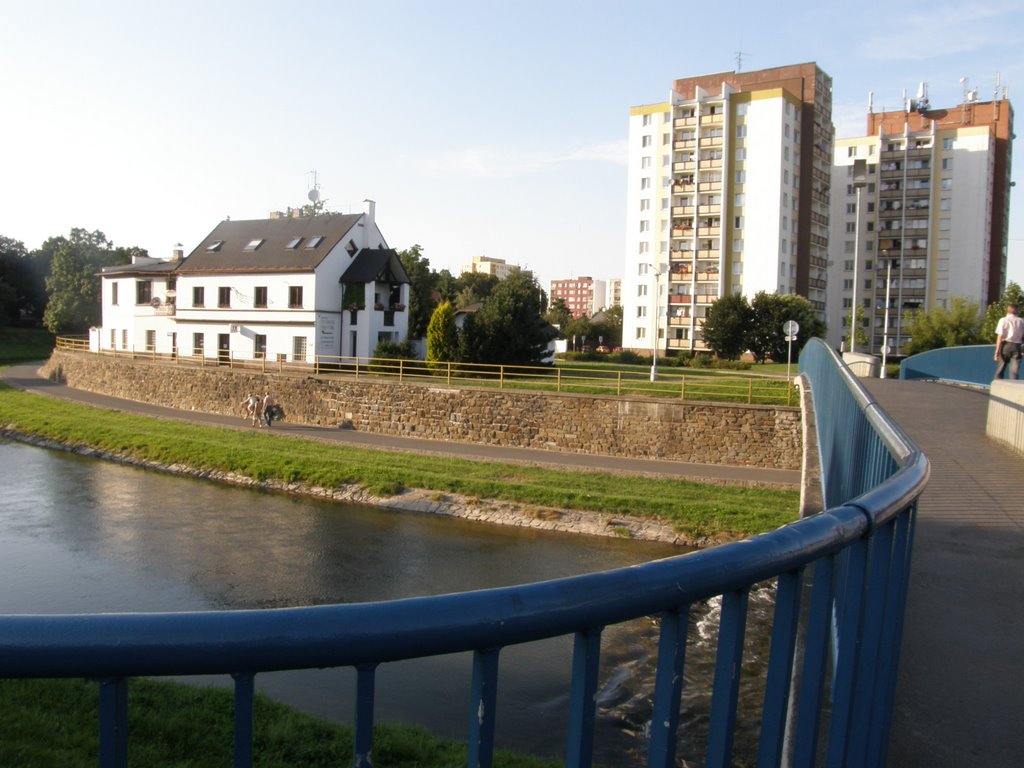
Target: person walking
252,409
1009,336
269,406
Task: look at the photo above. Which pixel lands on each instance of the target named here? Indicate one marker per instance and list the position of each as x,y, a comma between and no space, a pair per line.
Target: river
79,535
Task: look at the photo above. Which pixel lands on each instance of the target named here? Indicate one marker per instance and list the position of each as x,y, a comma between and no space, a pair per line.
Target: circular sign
790,327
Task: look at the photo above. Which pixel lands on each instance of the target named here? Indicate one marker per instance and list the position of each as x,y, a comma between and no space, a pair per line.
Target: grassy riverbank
694,509
53,722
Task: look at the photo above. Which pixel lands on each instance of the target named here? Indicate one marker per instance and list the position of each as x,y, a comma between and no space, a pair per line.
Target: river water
79,535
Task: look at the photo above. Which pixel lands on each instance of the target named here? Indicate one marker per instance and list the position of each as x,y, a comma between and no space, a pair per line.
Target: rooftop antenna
995,93
739,59
965,88
871,102
314,192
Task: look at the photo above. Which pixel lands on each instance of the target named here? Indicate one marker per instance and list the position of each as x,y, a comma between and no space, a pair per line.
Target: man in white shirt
1009,335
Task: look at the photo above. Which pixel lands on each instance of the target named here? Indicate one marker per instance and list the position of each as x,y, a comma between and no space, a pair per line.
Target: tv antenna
739,60
314,192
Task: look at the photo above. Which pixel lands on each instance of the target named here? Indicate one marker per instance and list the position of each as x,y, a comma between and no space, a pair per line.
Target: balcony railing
826,693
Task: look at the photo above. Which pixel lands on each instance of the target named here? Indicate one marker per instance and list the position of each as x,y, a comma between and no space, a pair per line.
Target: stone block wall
709,433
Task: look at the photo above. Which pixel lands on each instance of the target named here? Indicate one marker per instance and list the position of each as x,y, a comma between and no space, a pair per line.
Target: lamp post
654,336
859,182
885,324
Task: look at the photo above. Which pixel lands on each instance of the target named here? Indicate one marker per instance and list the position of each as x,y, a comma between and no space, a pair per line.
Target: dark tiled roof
272,255
375,264
141,269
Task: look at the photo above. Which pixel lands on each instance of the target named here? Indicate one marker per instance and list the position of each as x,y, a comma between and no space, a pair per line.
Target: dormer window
314,241
293,243
215,245
254,244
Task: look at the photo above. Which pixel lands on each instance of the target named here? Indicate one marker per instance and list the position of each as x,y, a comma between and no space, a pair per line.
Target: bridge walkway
960,693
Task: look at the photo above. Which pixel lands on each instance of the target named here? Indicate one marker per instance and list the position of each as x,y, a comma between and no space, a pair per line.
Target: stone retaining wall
709,433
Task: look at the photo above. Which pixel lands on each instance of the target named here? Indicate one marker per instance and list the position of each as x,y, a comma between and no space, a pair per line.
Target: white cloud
939,31
493,163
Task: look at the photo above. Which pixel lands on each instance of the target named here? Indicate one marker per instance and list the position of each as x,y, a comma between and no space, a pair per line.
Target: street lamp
885,324
859,182
658,272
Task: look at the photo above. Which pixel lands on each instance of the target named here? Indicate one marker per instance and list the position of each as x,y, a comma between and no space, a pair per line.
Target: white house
284,288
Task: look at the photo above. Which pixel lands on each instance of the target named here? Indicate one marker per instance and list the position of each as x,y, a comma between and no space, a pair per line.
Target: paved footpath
960,694
26,377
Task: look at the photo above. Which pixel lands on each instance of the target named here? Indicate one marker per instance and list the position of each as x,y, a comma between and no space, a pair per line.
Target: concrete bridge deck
960,694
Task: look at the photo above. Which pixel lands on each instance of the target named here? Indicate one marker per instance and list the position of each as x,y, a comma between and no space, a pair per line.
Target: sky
478,128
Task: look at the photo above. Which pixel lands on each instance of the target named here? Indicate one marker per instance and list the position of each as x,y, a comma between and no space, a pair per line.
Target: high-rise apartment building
583,296
728,191
932,223
488,266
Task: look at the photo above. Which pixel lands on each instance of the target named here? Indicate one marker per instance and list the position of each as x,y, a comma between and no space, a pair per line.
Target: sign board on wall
327,334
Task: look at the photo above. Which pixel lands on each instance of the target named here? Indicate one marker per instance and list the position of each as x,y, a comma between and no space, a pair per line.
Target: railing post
483,716
586,656
244,694
728,662
113,722
668,688
363,736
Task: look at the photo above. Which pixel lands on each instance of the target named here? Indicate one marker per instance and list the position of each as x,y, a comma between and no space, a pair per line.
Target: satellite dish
314,195
155,301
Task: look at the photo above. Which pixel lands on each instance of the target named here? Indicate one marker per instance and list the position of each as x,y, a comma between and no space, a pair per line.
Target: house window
215,245
259,346
224,297
314,241
298,348
124,339
113,294
253,244
143,291
293,243
352,249
197,344
198,296
113,339
295,297
150,341
260,296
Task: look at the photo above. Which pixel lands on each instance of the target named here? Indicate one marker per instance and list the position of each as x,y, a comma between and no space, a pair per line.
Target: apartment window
645,226
786,130
224,297
848,265
298,348
295,297
741,177
947,184
645,161
851,152
946,204
151,341
198,296
737,244
848,285
641,311
645,182
851,208
741,153
645,141
947,143
641,333
741,131
848,246
113,293
259,298
785,153
944,225
851,227
646,120
143,292
259,346
644,247
197,344
641,291
645,204
739,201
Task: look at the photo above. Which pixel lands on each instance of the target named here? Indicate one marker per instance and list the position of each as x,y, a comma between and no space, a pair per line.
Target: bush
627,357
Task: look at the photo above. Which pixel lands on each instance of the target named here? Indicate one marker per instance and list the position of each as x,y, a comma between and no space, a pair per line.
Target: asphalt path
26,377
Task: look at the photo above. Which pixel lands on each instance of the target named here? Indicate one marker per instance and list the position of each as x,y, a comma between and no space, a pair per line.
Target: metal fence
579,378
840,581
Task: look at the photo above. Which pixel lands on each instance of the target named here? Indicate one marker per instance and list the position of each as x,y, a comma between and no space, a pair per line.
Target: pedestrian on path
1009,336
269,408
251,403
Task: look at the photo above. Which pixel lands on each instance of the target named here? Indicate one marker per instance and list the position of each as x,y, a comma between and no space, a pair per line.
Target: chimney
178,252
371,212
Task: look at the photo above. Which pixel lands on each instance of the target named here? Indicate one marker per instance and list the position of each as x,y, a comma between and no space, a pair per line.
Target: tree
473,288
558,313
72,285
442,338
421,290
509,327
13,279
957,325
768,312
607,325
1013,294
726,326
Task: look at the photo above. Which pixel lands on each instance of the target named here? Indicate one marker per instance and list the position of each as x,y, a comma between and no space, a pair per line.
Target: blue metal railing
967,365
831,667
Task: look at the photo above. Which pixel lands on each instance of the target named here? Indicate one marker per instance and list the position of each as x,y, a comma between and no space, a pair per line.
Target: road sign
791,327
